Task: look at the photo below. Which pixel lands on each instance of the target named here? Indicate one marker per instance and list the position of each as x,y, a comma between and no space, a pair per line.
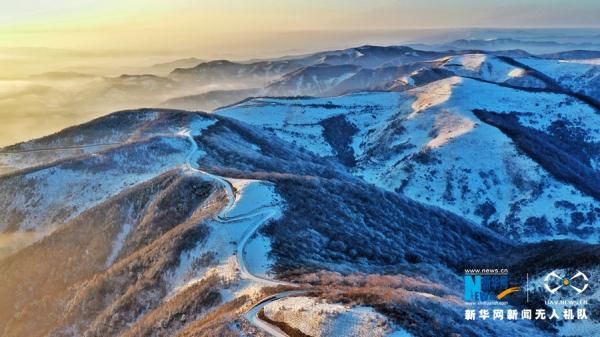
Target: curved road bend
252,314
265,214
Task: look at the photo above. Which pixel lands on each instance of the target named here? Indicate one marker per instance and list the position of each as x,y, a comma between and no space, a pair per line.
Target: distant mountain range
363,68
494,44
167,67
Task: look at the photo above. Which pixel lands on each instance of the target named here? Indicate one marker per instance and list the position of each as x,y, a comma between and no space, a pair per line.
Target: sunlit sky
113,37
163,25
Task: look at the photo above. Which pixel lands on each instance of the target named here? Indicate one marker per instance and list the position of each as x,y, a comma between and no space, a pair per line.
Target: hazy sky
188,24
112,37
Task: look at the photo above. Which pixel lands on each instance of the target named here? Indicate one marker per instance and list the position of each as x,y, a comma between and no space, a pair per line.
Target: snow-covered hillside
427,144
345,198
314,80
189,216
369,56
71,175
321,319
491,68
577,75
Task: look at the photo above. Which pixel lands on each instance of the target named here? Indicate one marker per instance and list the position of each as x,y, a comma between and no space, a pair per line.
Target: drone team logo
553,282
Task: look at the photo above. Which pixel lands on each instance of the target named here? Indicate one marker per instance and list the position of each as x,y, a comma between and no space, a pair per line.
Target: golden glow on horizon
192,28
113,37
142,24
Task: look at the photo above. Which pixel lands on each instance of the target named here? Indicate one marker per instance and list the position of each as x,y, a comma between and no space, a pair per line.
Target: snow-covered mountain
209,85
313,80
578,75
491,68
505,43
429,144
371,56
378,69
352,212
224,73
165,218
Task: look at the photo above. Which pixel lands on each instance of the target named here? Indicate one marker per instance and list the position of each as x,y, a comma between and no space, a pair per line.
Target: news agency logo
553,282
487,285
484,288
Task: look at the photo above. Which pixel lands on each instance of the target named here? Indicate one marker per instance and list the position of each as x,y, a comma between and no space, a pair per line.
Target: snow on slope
297,120
207,243
74,141
577,75
64,187
584,61
370,56
483,66
428,144
318,318
478,166
230,242
490,68
312,81
60,191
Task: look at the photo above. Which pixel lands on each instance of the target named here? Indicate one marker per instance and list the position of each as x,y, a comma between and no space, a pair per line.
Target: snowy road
252,314
191,165
264,214
259,216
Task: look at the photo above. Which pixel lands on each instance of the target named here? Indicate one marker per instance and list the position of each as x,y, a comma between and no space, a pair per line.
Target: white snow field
318,318
462,163
60,190
576,75
254,204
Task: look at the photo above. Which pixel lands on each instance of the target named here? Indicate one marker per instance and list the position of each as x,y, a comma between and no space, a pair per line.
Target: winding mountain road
252,314
261,215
